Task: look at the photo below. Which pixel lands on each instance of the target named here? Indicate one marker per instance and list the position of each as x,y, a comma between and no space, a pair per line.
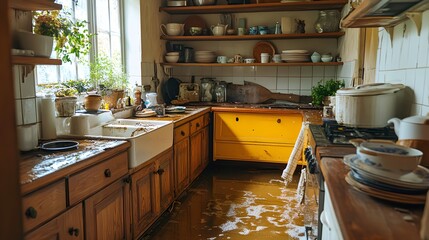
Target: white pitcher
219,29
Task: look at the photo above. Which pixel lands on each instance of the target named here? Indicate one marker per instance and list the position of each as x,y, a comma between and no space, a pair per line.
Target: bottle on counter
49,130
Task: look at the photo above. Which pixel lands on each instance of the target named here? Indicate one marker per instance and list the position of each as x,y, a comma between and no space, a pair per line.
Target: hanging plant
71,37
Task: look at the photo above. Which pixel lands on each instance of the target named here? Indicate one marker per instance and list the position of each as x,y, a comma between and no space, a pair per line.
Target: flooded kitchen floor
233,202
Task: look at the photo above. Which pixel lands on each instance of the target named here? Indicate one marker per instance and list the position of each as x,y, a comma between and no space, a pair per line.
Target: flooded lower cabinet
107,213
152,191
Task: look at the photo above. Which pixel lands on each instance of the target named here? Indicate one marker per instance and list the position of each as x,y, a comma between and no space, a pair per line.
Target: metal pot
368,106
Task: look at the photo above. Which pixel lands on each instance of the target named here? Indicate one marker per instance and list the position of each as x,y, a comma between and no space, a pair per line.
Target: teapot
414,132
219,29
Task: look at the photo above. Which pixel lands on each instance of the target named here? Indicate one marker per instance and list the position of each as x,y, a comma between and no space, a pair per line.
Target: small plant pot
92,102
65,106
40,44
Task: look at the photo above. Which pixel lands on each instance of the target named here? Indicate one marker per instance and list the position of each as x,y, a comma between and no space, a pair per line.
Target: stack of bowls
172,57
205,56
176,3
295,56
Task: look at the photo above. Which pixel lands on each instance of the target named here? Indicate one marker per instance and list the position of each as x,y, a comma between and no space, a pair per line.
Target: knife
155,79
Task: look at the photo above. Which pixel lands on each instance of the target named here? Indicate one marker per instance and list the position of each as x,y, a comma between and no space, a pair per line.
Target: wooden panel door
166,179
68,226
205,154
181,164
196,158
107,213
143,189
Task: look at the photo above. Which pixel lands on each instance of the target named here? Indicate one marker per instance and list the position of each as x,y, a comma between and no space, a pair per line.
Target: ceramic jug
219,29
414,132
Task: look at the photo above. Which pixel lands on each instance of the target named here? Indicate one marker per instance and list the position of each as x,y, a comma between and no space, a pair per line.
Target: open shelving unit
254,37
252,64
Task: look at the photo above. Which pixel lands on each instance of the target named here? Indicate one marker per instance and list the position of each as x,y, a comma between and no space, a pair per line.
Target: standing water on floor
232,202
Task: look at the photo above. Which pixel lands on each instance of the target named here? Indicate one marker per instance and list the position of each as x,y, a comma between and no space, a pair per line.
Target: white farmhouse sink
148,138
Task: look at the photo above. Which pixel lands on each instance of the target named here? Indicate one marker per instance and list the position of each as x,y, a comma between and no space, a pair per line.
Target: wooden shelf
23,60
254,37
361,16
261,7
252,64
33,5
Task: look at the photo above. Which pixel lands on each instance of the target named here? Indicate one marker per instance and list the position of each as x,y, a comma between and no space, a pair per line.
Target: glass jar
328,21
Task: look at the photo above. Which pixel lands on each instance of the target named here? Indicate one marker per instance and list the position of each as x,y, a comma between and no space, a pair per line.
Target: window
104,19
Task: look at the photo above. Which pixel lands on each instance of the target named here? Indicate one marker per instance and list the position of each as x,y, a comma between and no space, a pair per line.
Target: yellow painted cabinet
260,137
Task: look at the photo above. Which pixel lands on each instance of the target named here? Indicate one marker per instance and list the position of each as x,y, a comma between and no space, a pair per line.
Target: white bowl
172,54
388,156
40,44
326,59
176,3
172,59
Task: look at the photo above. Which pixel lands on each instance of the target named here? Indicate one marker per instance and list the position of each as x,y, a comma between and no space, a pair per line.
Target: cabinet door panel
166,179
205,147
258,152
251,127
106,213
144,199
196,157
181,164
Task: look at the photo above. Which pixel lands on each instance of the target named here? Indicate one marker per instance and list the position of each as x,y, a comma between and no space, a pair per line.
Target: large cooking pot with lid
367,106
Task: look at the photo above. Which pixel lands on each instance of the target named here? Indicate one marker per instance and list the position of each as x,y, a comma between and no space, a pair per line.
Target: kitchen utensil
172,59
204,2
286,25
189,91
49,130
194,21
60,145
265,57
263,47
413,132
218,30
255,93
155,79
387,156
368,106
172,29
171,89
79,125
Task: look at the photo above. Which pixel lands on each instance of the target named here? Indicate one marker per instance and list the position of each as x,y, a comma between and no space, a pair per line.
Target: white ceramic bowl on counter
388,156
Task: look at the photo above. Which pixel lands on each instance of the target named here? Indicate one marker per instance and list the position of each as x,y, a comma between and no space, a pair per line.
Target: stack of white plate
295,56
397,186
205,56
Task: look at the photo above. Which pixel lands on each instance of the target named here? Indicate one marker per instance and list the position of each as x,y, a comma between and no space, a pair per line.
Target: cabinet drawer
252,152
96,177
251,127
43,204
197,124
181,132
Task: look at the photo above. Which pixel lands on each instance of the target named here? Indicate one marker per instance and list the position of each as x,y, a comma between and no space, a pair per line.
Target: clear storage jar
328,21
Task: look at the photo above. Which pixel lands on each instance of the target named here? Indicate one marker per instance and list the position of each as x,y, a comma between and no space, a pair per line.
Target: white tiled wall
298,80
405,60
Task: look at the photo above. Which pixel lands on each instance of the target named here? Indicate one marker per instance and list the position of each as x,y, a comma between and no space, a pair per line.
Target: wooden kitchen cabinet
107,212
152,190
181,158
251,136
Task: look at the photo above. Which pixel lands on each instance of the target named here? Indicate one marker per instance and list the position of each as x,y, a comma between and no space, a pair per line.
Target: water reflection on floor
235,203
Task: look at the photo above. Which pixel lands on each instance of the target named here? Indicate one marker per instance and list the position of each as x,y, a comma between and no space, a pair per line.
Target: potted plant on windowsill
71,37
109,79
321,92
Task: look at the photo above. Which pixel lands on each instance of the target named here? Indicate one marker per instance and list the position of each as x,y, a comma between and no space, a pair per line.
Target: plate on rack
177,109
263,47
59,145
386,195
145,113
418,179
194,21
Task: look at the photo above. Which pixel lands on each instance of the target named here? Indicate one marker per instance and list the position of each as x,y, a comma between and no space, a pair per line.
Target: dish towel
295,155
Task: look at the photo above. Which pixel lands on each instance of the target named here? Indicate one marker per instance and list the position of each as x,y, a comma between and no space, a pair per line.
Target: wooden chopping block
255,93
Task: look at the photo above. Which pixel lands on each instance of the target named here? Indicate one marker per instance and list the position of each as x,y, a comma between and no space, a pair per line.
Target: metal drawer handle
182,133
160,171
237,119
74,232
198,125
107,173
31,212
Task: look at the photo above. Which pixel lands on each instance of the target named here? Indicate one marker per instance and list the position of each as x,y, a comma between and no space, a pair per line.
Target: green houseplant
325,89
71,37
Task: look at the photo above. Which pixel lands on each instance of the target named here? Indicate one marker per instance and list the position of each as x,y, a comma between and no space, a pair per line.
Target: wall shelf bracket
416,17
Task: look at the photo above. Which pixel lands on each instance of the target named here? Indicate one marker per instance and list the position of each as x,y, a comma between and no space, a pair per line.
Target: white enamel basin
148,138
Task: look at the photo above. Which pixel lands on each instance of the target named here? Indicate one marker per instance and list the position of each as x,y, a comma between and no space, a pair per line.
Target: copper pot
92,102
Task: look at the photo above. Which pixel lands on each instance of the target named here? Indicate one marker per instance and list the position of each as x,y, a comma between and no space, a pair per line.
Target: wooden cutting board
255,93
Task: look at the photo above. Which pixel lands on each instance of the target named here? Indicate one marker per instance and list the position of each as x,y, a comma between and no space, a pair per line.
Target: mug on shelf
222,59
265,57
172,29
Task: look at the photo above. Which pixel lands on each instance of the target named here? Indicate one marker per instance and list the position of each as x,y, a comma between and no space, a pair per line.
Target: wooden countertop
363,217
40,167
180,118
